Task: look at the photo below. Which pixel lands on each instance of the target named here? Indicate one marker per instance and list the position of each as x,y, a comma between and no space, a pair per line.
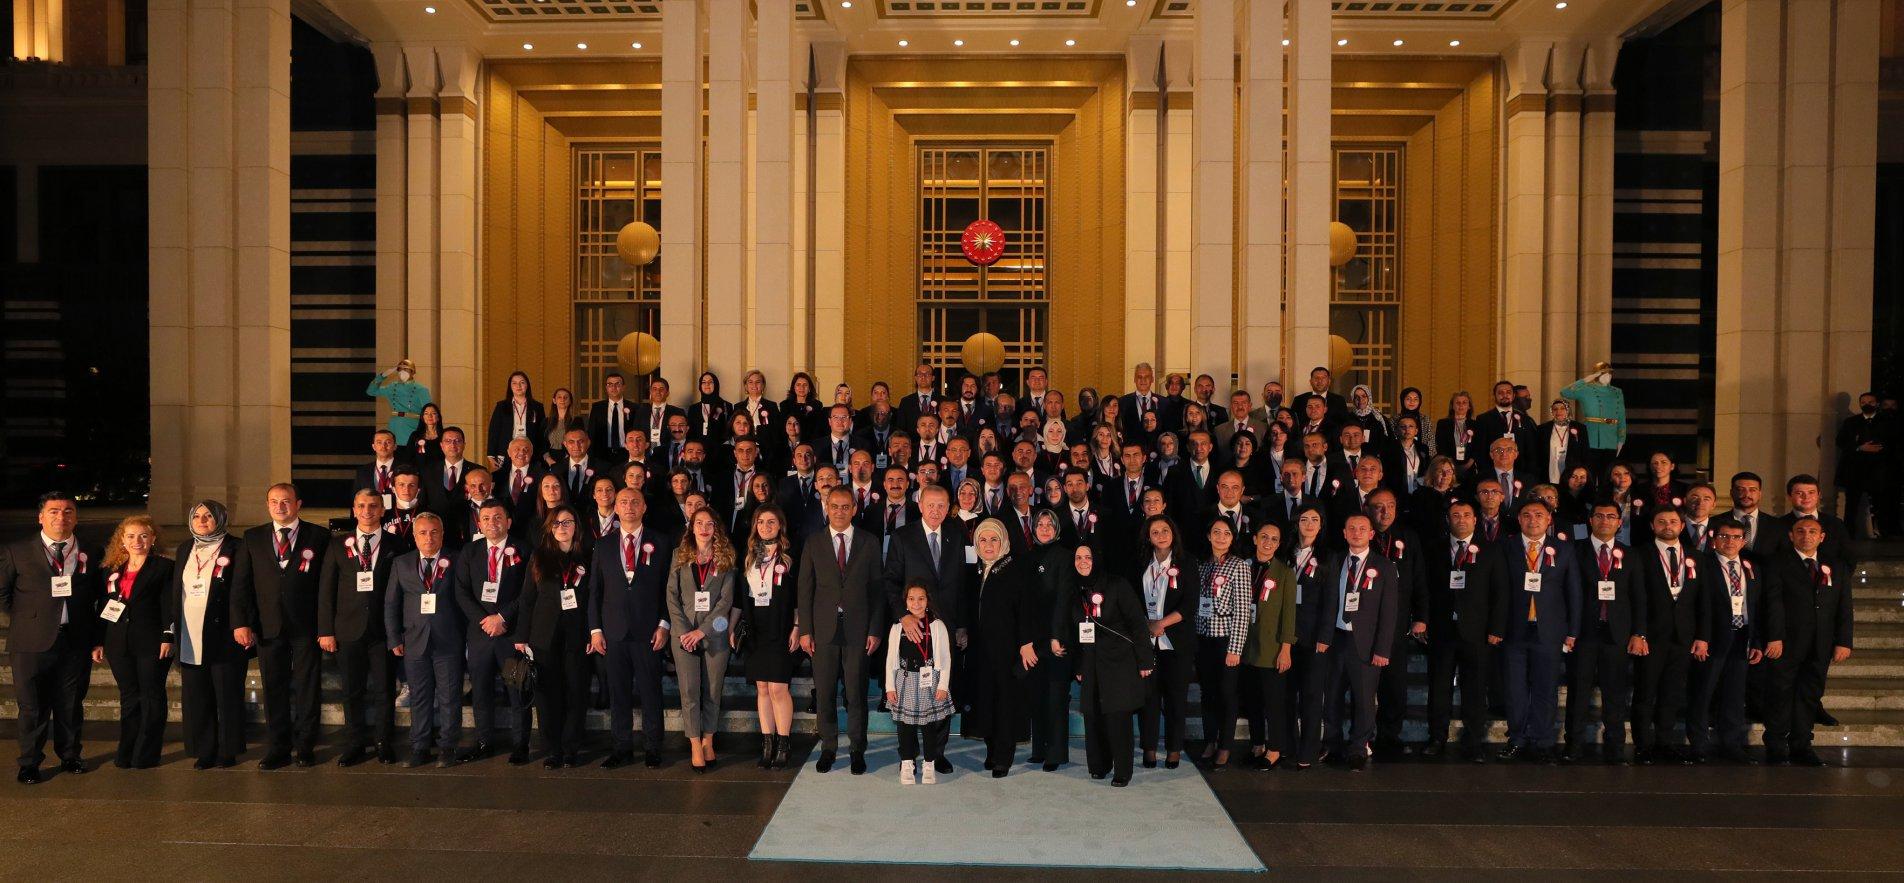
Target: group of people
963,553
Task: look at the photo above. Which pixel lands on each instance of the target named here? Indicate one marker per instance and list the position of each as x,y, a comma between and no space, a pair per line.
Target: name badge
928,675
971,555
62,587
568,600
1206,607
389,502
197,588
1531,582
763,599
1087,632
492,592
703,602
366,580
1457,579
1738,605
115,607
1352,602
426,603
1604,588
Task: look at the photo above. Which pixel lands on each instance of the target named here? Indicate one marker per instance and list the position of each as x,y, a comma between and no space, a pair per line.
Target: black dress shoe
1051,766
651,759
123,763
29,775
1807,757
1119,782
1150,762
943,766
386,753
352,756
1433,749
1358,762
274,761
1738,756
618,758
572,759
1171,764
519,756
1260,762
1825,719
824,764
1512,752
999,774
74,766
305,759
476,752
552,762
1099,775
204,763
419,758
858,763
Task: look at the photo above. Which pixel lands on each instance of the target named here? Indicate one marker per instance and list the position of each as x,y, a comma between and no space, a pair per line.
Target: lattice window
1010,187
613,186
1365,307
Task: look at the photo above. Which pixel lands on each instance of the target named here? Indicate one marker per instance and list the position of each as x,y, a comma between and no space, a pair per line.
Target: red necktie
628,552
495,560
1606,570
839,553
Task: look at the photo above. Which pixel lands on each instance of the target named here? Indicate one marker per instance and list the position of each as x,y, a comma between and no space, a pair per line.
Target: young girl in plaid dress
919,674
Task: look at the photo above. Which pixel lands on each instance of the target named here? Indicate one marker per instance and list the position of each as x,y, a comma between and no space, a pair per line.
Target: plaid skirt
918,703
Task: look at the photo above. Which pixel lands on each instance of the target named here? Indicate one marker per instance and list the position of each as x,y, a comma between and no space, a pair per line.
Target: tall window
613,186
1366,306
1008,186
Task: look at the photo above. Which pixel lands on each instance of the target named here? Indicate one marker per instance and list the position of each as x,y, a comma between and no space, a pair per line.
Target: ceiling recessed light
528,45
902,43
1130,2
1398,42
1285,41
1014,42
636,45
958,42
1561,5
581,45
1070,42
1342,42
846,4
1454,42
430,9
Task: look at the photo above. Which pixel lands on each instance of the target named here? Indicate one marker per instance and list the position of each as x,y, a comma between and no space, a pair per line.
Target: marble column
457,298
392,204
727,183
1311,189
682,307
1593,338
1523,281
1213,206
420,228
1746,379
219,145
825,323
1561,306
1261,334
774,210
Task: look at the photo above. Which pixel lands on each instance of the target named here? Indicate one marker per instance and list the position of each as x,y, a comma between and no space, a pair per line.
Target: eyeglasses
566,522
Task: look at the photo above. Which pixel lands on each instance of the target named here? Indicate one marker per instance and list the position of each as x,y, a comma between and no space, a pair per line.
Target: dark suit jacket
623,609
1837,544
26,593
142,625
1183,496
1002,610
1626,613
598,424
1490,425
1668,621
768,425
908,410
1412,561
221,585
1484,470
404,622
1445,444
644,413
521,503
367,475
344,612
909,561
1473,612
1095,525
1556,605
471,570
1110,664
1133,417
1814,614
436,497
1372,626
280,601
707,419
1755,606
542,617
502,422
825,591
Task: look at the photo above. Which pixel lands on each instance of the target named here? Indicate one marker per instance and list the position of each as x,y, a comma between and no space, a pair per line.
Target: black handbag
743,632
519,674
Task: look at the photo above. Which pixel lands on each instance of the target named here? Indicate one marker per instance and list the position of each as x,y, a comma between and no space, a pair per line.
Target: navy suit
1600,659
1534,645
627,611
1349,661
487,654
1722,676
432,646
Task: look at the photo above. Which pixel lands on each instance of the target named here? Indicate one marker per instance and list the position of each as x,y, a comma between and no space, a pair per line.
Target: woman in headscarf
1099,627
211,664
1002,633
707,417
1362,412
1409,405
136,640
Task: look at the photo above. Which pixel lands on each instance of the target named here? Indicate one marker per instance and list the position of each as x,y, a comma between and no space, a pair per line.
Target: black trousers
1453,661
561,693
1167,693
1049,693
1264,691
288,664
50,689
633,668
1107,737
1298,681
1660,696
1719,692
1339,670
928,738
1391,691
1599,664
142,704
1004,697
369,692
486,656
832,664
1796,692
213,697
1217,683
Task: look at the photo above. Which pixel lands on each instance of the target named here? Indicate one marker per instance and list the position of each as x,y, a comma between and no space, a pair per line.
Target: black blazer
1471,613
1814,614
1110,664
540,617
142,625
1668,621
1180,599
26,593
1373,623
1626,613
1404,549
1445,444
1720,606
215,631
343,612
502,421
909,560
471,570
1557,604
280,600
707,419
1491,424
598,425
624,609
824,590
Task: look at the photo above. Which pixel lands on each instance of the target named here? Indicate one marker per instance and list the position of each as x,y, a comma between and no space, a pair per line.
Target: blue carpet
1165,819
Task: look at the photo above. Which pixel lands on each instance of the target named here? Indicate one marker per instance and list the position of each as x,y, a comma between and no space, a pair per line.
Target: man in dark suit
795,491
1503,420
1019,519
1762,534
1465,606
1354,629
1611,617
1192,486
50,588
973,414
921,400
1537,576
1397,543
893,511
1864,461
843,612
1335,409
1806,499
628,624
1323,473
1557,445
351,586
1674,581
1121,501
732,486
424,628
1504,468
579,468
380,472
611,417
1078,515
1229,507
406,502
275,611
1132,407
443,476
1352,498
1810,631
1738,612
489,574
654,415
1283,507
519,479
1314,421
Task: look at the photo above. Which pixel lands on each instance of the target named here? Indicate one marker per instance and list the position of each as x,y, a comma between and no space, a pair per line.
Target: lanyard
1673,574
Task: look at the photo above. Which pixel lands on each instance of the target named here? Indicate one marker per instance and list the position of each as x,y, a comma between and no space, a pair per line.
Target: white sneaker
905,772
928,774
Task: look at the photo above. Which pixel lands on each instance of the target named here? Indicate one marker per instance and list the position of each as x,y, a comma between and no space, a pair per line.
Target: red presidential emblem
983,243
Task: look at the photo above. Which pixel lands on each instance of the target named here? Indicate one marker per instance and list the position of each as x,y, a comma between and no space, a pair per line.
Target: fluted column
1311,187
1594,333
1561,306
392,203
1523,283
682,308
774,211
727,179
1213,206
1261,334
